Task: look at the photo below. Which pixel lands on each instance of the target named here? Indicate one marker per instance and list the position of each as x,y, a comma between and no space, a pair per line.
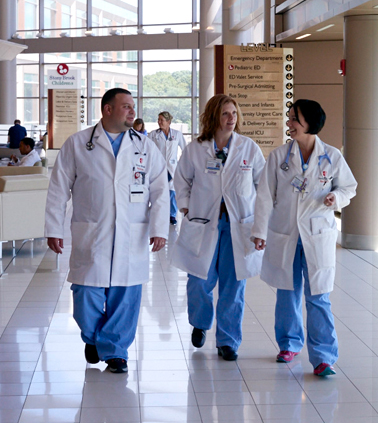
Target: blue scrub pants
107,317
322,341
230,305
173,210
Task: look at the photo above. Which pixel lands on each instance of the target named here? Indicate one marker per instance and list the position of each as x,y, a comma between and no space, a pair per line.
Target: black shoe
173,220
91,354
117,365
227,353
198,337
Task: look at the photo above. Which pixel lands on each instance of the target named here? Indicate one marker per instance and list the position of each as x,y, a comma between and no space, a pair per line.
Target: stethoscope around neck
90,146
169,138
285,165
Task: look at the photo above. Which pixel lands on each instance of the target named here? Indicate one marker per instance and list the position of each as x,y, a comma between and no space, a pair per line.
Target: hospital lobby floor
44,377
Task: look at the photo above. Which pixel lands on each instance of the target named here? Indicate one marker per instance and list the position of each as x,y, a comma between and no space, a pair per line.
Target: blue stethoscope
90,146
285,165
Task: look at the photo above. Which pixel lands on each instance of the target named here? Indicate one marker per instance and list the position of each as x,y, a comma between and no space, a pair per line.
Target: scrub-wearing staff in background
168,140
303,183
120,200
139,126
216,182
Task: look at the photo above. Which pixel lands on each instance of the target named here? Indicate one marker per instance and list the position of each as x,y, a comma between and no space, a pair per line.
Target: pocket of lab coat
139,241
323,241
244,183
83,241
277,248
191,235
245,226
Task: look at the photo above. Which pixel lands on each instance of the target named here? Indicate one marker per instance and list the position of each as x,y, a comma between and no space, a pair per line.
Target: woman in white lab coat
302,184
168,140
215,182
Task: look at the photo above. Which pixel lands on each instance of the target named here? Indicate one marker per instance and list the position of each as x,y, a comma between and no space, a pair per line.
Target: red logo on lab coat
141,160
245,162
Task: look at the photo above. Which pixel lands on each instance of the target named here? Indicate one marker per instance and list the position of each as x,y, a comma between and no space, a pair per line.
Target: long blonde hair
210,118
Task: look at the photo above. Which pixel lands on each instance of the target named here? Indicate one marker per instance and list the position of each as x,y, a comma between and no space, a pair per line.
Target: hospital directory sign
261,80
64,111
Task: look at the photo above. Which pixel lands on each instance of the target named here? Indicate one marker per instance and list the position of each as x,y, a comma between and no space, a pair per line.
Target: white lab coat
29,160
169,149
282,214
102,211
201,193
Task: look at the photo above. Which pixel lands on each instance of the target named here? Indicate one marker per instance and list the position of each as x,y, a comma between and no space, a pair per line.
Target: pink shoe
324,369
286,356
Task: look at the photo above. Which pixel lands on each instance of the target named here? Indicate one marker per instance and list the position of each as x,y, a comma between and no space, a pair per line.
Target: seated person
15,134
27,150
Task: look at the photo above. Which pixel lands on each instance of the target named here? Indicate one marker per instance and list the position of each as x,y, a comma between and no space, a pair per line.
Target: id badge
172,161
140,165
299,183
136,193
213,166
139,178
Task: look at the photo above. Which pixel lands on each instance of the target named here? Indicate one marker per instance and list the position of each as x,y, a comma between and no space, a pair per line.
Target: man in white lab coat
118,182
168,140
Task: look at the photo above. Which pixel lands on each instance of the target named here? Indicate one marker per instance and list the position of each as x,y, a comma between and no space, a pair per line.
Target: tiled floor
44,376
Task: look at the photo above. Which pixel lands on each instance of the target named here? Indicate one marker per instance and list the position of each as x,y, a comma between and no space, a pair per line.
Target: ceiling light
89,33
141,31
303,36
375,7
40,35
326,27
196,28
210,28
16,36
168,30
115,32
64,34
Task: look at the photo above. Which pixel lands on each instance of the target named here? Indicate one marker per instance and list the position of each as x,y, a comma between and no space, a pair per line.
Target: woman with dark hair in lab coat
215,184
302,184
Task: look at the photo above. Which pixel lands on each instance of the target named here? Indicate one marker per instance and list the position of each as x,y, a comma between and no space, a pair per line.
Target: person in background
215,181
31,157
118,183
139,126
303,183
15,134
168,140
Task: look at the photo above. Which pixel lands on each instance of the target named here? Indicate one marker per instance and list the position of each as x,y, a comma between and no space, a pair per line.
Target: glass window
50,14
115,13
168,79
64,57
27,15
113,76
96,110
156,55
27,59
115,56
167,11
64,14
96,88
180,108
133,88
28,110
27,81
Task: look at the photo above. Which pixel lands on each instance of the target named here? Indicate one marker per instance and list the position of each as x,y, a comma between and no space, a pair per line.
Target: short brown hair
210,118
